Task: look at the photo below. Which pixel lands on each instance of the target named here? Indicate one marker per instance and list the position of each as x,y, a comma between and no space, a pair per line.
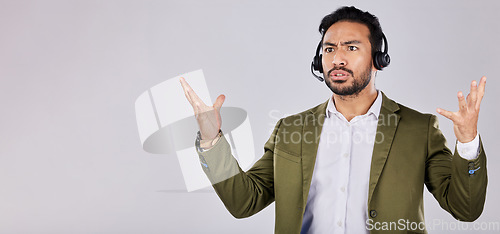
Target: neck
359,104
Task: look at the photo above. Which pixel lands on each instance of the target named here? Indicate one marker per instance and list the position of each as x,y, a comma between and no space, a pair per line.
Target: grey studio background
70,71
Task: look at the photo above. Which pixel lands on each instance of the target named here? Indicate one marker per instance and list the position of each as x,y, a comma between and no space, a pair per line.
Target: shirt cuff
205,145
469,150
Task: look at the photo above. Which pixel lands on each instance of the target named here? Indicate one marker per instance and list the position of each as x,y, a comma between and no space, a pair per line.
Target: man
358,162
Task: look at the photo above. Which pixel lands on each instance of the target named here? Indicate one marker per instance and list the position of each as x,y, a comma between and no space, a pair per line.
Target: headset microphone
316,64
321,79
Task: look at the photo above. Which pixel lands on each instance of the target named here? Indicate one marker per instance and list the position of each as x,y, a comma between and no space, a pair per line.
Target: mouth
339,75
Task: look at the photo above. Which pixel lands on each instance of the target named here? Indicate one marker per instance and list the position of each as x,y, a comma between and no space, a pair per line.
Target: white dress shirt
338,196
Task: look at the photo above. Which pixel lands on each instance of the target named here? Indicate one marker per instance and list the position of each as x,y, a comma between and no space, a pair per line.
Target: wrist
468,139
207,144
208,137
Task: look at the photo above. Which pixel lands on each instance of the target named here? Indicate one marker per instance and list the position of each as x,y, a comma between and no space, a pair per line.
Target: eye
352,48
329,49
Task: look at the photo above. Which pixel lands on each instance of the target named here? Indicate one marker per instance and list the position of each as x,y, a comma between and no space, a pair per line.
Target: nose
339,59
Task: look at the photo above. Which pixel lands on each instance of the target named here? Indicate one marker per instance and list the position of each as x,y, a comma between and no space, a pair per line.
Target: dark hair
353,14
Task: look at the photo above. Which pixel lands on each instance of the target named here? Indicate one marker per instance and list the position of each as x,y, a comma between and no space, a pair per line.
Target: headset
380,59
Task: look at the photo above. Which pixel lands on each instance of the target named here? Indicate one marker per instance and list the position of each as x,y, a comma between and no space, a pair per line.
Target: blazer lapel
387,124
313,124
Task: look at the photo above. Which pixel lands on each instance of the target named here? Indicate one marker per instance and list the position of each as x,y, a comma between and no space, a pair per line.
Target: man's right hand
208,117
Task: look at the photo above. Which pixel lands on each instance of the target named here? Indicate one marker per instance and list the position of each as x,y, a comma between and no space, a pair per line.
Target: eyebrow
342,43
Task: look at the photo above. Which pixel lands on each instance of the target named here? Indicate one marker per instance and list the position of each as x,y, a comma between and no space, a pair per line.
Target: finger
219,101
191,94
185,88
461,101
480,91
448,114
473,94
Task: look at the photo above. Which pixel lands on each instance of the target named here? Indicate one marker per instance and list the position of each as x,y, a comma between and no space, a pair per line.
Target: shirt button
373,213
339,223
342,188
346,155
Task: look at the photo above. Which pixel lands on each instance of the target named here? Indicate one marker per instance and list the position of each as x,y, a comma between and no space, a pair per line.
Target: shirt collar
374,109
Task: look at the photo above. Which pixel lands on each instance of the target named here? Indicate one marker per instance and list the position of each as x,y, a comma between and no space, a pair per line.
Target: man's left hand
465,119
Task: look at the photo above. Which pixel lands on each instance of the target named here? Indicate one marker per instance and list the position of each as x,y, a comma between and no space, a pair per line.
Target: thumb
219,101
445,113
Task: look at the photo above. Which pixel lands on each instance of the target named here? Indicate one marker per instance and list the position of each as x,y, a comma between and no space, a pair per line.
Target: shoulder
408,112
315,113
291,131
411,116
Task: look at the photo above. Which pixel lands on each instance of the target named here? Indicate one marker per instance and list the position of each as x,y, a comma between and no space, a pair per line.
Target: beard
358,83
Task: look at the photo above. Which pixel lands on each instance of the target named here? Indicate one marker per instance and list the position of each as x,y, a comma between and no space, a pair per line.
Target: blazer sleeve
243,193
457,184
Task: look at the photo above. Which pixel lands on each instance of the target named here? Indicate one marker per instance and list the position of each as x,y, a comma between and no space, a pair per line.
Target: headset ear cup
386,59
318,66
381,60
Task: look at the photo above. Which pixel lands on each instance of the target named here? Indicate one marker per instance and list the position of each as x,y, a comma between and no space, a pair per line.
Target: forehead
344,30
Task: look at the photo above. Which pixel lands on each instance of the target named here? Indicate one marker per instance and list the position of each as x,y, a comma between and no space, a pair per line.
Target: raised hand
208,117
465,119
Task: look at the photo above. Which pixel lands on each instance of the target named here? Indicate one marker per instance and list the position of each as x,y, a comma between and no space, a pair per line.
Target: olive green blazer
409,151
